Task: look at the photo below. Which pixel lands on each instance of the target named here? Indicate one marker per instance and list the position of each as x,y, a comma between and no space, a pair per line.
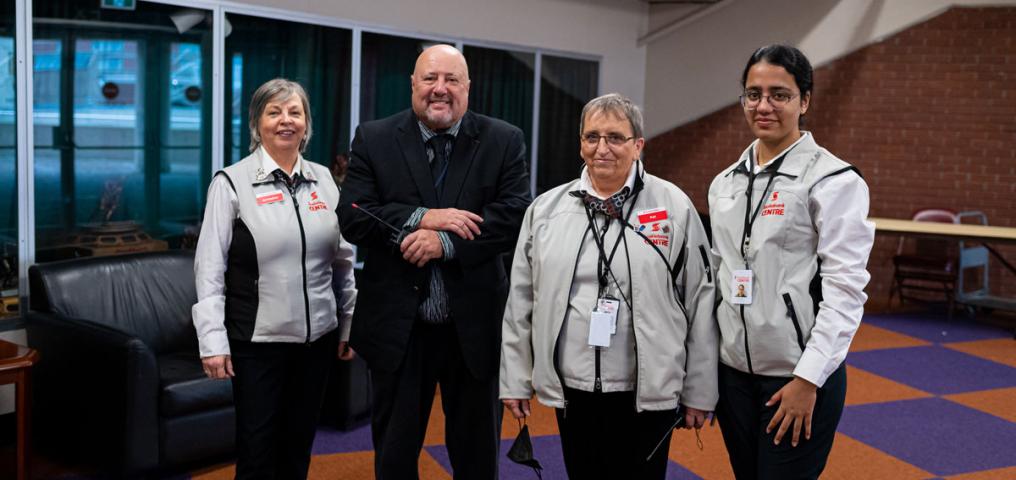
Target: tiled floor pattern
927,398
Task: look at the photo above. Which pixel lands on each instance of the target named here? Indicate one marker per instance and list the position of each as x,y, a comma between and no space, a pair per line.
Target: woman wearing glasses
609,317
788,222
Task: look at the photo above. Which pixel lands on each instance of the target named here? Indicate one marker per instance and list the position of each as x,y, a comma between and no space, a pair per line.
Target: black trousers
277,390
603,437
403,400
743,419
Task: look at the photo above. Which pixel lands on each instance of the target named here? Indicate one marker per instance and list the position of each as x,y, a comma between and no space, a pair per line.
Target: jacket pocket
705,263
793,318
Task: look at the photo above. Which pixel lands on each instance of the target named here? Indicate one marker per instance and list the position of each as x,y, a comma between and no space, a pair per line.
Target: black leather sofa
120,384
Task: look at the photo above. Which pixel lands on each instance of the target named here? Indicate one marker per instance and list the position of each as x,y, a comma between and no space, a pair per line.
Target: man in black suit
432,295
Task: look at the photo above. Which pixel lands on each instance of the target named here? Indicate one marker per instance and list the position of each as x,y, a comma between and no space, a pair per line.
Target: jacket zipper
557,369
597,384
303,259
747,351
793,318
705,262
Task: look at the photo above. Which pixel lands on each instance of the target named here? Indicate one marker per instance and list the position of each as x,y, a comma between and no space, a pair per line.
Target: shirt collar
427,133
269,165
751,163
586,185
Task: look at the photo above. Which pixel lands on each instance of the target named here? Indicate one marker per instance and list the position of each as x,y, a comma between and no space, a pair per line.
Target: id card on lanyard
741,281
603,318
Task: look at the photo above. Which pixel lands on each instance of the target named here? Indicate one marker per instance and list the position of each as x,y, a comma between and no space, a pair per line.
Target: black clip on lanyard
749,217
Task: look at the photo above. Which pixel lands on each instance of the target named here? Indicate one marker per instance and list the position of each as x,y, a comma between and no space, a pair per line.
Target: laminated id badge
609,305
599,329
740,285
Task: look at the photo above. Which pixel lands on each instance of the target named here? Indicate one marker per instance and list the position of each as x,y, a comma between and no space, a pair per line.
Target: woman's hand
694,418
518,406
797,402
218,366
346,352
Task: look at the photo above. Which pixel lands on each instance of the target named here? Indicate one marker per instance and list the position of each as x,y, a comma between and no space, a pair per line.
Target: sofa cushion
148,295
185,389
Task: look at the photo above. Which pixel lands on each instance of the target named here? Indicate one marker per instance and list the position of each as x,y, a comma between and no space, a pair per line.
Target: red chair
925,269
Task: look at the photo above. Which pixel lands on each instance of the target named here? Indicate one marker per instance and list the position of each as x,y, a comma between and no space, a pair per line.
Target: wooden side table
16,367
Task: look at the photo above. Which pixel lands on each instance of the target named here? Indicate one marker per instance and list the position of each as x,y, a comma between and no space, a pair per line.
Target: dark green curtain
566,85
386,64
315,56
501,86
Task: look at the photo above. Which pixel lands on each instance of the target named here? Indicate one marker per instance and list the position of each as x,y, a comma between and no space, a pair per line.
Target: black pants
277,390
603,437
403,400
743,419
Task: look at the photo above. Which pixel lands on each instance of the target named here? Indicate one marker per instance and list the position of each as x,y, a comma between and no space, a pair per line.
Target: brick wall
928,115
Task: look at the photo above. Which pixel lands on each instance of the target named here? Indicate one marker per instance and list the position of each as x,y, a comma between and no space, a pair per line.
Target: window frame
25,165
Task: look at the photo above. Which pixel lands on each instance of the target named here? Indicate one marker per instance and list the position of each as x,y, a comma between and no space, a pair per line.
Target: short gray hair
617,104
279,89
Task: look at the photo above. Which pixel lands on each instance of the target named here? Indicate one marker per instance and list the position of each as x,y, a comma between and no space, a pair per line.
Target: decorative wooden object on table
16,367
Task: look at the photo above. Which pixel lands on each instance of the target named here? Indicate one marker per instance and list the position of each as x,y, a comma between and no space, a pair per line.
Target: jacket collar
797,157
260,170
586,185
411,145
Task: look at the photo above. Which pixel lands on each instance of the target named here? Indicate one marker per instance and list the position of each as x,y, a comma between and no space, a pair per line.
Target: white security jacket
808,252
676,355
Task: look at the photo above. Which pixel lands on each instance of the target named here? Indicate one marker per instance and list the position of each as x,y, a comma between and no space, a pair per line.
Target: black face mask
522,451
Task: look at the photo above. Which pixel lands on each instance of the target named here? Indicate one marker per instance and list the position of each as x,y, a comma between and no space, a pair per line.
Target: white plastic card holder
740,287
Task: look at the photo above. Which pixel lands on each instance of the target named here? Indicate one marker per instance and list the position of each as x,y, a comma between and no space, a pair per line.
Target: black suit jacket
389,176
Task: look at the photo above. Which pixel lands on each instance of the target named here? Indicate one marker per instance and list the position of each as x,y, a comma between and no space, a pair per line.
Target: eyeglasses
778,100
614,140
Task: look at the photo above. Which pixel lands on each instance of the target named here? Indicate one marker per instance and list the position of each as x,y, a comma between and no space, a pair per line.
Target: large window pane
122,111
260,49
8,166
386,64
501,86
566,85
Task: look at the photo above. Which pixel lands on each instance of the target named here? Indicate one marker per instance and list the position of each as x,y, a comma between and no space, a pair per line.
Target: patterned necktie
435,309
439,165
611,207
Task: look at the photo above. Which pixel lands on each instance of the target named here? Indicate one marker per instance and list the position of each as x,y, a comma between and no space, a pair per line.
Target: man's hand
460,222
519,407
797,402
218,366
421,247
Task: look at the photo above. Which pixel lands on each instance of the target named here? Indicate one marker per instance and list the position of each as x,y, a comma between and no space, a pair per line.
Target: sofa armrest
96,391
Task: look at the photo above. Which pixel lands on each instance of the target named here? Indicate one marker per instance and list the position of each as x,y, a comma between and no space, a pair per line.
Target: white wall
605,28
695,70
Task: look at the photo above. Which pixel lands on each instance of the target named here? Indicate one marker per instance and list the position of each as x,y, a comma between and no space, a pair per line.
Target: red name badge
270,197
654,215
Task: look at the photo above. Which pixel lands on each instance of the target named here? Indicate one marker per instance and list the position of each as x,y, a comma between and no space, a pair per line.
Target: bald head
440,87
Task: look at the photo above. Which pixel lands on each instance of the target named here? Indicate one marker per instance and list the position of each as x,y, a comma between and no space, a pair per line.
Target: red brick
926,114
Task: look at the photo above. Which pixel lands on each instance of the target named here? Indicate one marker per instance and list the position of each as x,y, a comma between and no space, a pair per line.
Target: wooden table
957,231
16,367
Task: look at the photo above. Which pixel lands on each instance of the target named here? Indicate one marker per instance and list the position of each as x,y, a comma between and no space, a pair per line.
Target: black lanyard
603,260
603,270
749,216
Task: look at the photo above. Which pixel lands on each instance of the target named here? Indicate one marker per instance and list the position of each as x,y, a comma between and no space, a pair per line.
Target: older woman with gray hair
610,310
266,316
